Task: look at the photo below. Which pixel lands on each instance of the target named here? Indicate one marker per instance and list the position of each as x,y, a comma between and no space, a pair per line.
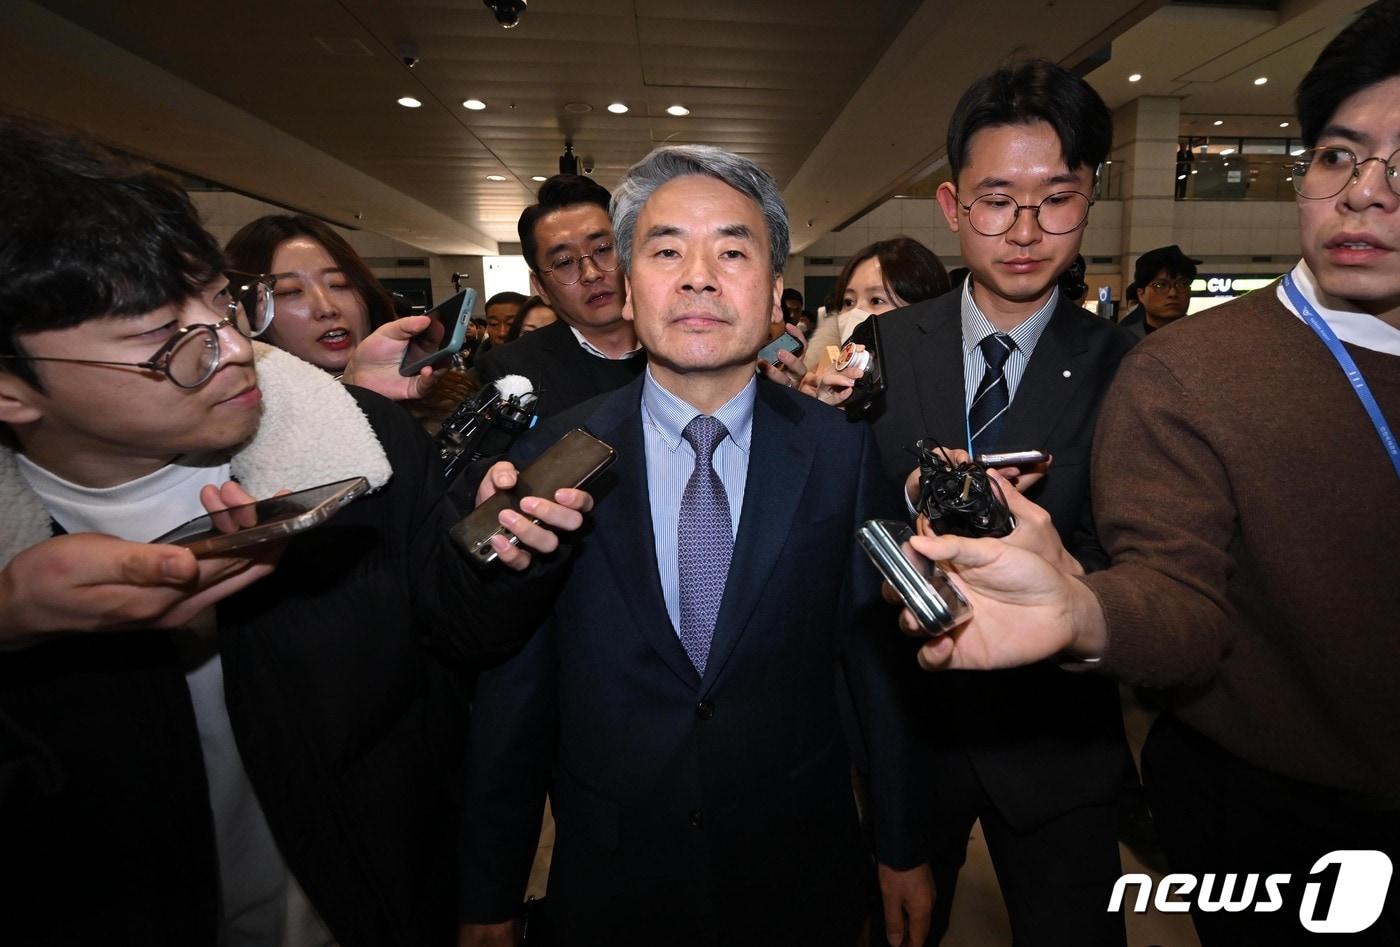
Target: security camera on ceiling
507,12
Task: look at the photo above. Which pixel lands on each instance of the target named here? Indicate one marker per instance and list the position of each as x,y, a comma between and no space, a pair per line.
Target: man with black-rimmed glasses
567,240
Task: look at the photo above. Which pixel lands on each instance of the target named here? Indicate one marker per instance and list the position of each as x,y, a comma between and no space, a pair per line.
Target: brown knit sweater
1253,519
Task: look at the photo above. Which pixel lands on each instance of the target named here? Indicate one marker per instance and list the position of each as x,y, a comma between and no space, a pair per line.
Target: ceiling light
494,177
1297,151
1261,80
409,102
1226,151
677,110
1194,171
1181,177
1289,178
476,105
577,108
1135,77
539,178
617,108
1218,121
1282,124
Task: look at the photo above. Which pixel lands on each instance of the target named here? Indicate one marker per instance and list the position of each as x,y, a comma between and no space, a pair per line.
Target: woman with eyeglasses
327,300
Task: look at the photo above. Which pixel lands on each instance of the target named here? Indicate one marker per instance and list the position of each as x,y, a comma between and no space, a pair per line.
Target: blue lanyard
1344,359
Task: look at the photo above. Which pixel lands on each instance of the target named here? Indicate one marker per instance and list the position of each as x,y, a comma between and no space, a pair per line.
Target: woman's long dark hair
909,268
251,251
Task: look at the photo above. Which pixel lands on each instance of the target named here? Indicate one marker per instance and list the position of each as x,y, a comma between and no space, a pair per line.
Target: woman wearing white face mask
886,275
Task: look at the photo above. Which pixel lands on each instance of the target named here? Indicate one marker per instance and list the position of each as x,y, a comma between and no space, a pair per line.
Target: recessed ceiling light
1289,178
1261,80
1227,151
1181,177
1218,121
494,177
578,108
409,102
476,105
1282,124
617,108
677,110
1135,77
1297,151
539,178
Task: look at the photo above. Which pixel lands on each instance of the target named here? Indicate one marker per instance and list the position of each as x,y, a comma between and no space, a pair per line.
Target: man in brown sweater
1249,501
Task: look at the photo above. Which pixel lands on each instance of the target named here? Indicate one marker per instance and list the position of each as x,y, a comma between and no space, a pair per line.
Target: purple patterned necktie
704,542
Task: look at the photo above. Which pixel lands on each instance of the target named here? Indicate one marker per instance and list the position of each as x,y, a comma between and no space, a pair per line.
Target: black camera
506,12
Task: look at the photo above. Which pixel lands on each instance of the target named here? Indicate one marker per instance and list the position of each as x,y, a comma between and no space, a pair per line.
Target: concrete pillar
1144,141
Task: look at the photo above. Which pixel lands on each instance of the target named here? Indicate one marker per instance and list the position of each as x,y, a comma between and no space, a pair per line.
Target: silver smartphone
933,600
1013,458
239,527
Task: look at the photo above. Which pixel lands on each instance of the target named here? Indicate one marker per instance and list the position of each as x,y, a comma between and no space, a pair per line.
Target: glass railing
1235,177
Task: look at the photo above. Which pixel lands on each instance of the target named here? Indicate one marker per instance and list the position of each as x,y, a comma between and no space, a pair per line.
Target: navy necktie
993,395
704,542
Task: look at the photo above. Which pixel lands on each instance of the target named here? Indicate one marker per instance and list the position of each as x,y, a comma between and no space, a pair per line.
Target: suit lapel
779,463
938,371
624,529
1054,373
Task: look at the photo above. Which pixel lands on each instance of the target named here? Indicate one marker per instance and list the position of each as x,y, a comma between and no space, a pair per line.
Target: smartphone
444,336
783,343
1013,458
571,461
239,527
933,600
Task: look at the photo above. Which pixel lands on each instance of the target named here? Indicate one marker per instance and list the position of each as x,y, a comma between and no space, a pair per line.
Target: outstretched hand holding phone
95,582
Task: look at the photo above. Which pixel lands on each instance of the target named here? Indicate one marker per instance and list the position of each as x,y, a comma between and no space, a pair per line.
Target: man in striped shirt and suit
1006,363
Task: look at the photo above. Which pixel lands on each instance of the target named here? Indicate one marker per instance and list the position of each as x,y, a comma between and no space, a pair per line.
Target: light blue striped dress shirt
671,461
976,327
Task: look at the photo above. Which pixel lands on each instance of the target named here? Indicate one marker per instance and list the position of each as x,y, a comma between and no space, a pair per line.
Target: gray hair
673,161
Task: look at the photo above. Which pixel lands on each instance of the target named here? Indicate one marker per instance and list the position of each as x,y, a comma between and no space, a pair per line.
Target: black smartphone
1013,458
783,343
444,336
933,600
239,527
571,461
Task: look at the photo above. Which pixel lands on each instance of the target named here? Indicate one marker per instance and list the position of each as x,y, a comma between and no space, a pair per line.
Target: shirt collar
976,326
592,349
1350,325
669,414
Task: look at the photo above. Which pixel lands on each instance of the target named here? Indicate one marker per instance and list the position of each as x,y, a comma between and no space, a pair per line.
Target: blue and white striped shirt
671,460
976,327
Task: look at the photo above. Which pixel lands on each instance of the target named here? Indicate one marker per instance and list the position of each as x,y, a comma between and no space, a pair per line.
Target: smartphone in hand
239,527
783,343
444,336
925,589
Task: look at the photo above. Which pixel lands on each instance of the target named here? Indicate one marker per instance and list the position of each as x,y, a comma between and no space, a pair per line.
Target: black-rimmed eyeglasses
992,215
1325,172
569,269
191,356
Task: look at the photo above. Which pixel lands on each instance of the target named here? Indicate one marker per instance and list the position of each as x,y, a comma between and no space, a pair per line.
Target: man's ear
948,203
20,403
777,315
627,311
538,288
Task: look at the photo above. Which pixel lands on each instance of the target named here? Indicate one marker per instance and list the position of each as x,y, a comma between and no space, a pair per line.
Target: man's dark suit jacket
712,811
1043,740
564,375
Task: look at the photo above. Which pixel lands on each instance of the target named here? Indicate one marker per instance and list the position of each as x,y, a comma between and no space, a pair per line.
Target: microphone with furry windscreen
486,424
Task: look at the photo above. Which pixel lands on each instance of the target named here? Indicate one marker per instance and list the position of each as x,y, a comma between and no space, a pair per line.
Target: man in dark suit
1006,363
680,704
567,240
